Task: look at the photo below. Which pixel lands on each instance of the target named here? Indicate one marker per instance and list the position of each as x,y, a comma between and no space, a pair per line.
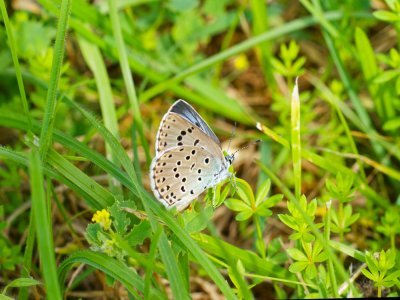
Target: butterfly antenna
232,134
245,147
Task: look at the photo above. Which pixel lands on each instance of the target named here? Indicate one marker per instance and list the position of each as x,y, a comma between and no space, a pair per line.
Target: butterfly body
188,160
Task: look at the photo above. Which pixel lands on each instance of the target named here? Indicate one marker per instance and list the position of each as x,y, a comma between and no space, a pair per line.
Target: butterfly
188,159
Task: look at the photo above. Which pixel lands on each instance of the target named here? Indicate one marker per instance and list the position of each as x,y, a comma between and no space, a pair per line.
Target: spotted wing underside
181,174
175,130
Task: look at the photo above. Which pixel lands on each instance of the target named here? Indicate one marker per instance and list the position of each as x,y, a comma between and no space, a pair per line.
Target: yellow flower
103,218
240,62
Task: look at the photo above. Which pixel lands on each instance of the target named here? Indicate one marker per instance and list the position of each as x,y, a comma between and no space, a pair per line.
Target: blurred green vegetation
314,210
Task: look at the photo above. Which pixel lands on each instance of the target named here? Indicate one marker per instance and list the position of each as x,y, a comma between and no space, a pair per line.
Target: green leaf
288,221
21,282
263,211
307,249
33,38
272,201
308,237
244,192
317,248
200,221
323,256
243,216
298,266
138,233
368,274
386,76
91,234
311,271
352,219
387,16
392,125
393,276
236,205
382,260
120,218
312,207
262,191
372,263
295,236
296,254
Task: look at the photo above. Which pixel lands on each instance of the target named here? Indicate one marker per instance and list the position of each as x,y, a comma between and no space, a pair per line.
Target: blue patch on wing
182,108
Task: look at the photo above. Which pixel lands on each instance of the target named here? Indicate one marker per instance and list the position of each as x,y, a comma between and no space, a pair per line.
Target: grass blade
128,79
95,62
112,267
51,100
14,54
43,229
295,140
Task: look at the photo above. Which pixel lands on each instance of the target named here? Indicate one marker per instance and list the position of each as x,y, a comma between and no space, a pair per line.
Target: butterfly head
230,158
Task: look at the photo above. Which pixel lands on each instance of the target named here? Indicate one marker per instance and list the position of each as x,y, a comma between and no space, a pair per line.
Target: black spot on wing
185,110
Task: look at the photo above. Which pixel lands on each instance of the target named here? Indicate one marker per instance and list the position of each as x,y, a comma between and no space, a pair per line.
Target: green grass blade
95,62
358,106
260,25
27,263
14,54
103,197
128,79
356,101
295,140
42,222
346,127
345,249
150,267
174,272
317,12
51,99
112,267
224,251
22,159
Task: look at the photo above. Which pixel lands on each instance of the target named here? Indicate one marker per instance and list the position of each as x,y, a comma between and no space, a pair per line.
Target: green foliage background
314,209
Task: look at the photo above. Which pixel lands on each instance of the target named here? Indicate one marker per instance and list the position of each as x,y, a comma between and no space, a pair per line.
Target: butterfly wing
180,174
185,110
182,126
